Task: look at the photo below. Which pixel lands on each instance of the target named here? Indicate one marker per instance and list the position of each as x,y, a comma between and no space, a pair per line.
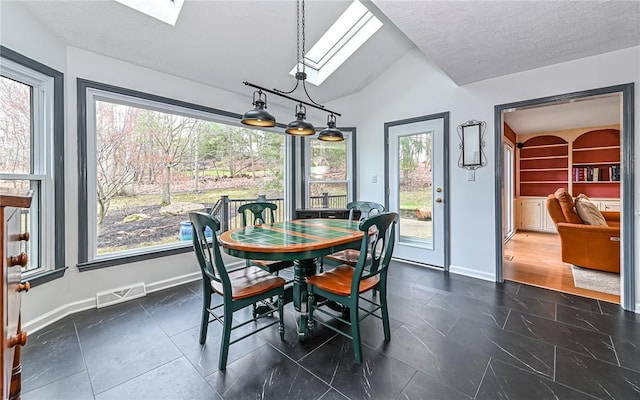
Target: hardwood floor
534,258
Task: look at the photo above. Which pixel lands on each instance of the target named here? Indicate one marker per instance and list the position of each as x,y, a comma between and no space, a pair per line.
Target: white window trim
42,161
339,43
348,139
166,11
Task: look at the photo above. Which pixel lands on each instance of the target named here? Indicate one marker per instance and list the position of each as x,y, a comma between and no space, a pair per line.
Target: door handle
439,200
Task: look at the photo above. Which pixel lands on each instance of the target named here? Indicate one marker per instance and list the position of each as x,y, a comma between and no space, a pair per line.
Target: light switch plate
471,175
374,178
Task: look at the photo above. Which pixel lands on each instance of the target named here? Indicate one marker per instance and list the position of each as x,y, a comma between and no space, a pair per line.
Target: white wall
414,87
76,290
411,87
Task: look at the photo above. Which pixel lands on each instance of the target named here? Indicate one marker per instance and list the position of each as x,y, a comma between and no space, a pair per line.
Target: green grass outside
415,200
208,197
409,201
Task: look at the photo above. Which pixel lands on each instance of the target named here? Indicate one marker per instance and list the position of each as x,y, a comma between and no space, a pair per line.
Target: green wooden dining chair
345,285
262,213
239,288
366,209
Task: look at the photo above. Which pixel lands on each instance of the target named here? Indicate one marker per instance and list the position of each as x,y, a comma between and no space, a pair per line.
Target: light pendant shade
259,116
300,127
331,133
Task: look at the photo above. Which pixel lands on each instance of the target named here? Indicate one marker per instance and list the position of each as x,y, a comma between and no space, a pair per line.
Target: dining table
303,241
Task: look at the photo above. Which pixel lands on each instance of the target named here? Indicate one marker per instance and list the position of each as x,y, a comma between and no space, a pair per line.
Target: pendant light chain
298,57
303,41
299,127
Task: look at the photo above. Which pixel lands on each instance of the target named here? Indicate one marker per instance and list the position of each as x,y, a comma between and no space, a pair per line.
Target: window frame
353,28
47,161
89,91
351,178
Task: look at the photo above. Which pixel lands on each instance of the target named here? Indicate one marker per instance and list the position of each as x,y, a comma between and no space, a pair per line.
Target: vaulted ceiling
476,40
222,43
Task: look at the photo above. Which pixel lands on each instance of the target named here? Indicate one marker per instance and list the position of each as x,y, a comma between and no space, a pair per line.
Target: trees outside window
330,172
155,161
31,146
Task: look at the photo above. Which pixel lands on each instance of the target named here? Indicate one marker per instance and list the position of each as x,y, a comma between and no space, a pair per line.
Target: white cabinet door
609,205
530,214
549,225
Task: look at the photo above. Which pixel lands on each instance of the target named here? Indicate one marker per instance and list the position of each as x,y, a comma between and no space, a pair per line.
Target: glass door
417,188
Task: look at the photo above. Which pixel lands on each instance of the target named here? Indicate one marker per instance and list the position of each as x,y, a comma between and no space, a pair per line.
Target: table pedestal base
302,269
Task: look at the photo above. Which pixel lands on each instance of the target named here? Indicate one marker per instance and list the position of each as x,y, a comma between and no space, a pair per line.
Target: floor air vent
104,299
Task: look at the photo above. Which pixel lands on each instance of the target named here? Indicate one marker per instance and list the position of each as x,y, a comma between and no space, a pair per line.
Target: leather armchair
588,246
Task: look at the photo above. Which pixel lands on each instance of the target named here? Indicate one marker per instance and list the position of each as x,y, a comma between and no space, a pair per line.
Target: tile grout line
600,307
482,379
408,383
613,347
506,319
555,360
84,360
307,370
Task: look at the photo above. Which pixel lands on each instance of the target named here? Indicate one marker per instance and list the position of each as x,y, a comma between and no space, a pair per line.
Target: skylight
166,11
354,27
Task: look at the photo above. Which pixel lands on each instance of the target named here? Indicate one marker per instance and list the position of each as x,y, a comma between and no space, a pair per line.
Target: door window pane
415,187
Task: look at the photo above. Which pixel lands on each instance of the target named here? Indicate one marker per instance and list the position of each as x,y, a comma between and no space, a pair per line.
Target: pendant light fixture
331,133
259,115
300,127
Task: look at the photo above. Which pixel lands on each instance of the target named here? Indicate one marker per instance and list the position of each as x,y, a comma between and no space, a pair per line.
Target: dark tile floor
453,337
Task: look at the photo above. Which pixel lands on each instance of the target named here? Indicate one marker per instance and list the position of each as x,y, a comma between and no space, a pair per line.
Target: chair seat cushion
249,282
348,256
338,281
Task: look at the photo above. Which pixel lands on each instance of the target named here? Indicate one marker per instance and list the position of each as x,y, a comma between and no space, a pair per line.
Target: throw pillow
588,211
566,204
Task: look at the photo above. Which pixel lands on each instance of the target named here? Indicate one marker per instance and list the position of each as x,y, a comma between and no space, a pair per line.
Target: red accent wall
544,164
509,134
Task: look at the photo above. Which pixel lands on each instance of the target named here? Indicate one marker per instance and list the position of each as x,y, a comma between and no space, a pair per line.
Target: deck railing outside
225,209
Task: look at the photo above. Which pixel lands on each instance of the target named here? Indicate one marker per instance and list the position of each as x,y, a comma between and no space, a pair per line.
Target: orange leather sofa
587,246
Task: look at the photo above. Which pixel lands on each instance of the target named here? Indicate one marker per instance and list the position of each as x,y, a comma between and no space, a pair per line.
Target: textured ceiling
587,112
477,40
221,43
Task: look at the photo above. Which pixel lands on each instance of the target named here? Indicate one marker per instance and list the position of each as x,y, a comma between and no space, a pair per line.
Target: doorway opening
578,142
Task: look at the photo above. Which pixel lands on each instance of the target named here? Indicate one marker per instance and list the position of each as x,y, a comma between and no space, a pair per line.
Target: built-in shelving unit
544,164
567,160
596,163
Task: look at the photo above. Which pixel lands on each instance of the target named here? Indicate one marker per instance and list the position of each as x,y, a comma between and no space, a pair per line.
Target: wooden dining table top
295,239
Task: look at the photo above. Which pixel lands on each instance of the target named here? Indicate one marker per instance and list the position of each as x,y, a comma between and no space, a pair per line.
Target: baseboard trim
175,281
57,314
485,276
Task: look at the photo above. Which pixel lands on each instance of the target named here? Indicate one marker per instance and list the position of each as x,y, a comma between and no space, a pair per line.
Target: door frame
627,197
513,191
445,160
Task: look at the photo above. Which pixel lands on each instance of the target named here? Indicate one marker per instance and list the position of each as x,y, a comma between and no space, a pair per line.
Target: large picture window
330,172
31,157
150,162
